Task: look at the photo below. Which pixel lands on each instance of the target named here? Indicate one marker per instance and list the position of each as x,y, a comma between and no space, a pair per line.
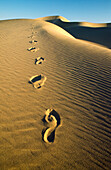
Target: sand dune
93,32
78,91
53,18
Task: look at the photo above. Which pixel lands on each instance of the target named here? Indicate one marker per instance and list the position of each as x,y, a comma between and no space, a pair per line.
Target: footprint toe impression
52,118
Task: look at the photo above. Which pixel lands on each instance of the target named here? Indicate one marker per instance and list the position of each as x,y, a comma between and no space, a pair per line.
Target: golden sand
77,65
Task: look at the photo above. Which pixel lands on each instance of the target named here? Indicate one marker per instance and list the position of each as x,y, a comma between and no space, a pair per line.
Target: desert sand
55,94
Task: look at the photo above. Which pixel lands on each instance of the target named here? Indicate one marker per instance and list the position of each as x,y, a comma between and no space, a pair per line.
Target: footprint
31,36
53,120
33,41
37,81
33,49
39,60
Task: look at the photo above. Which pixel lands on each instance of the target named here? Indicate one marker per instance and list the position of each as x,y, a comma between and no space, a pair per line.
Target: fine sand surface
55,94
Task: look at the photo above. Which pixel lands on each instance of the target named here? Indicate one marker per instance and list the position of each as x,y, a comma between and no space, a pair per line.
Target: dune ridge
99,33
61,20
53,18
78,88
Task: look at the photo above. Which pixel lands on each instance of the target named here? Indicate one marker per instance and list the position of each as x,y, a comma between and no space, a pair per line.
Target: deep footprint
33,49
53,120
37,81
39,60
33,41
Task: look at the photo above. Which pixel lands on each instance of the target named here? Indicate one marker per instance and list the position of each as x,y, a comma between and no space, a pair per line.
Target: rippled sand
77,64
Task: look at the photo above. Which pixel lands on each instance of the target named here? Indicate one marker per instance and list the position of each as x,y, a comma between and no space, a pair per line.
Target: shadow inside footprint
39,60
32,49
35,61
36,78
50,138
52,121
37,81
33,41
56,115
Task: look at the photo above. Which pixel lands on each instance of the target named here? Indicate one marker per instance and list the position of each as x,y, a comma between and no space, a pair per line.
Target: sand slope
92,32
77,87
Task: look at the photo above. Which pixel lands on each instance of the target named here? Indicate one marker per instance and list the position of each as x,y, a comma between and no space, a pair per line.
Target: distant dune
65,121
93,32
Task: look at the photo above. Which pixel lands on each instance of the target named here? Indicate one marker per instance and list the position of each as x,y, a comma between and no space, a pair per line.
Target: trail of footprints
52,118
38,80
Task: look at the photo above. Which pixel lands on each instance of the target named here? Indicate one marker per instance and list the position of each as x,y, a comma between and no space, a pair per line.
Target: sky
96,11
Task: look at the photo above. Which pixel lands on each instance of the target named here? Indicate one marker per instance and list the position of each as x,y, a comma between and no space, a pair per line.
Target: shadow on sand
100,35
50,136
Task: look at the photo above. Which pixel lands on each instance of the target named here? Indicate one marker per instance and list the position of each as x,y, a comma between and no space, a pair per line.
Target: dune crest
53,18
99,33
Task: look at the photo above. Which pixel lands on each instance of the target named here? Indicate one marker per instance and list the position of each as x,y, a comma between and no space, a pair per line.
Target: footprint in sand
31,36
37,81
33,49
52,118
33,41
39,60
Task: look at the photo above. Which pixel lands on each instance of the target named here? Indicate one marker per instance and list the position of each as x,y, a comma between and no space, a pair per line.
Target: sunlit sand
55,94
